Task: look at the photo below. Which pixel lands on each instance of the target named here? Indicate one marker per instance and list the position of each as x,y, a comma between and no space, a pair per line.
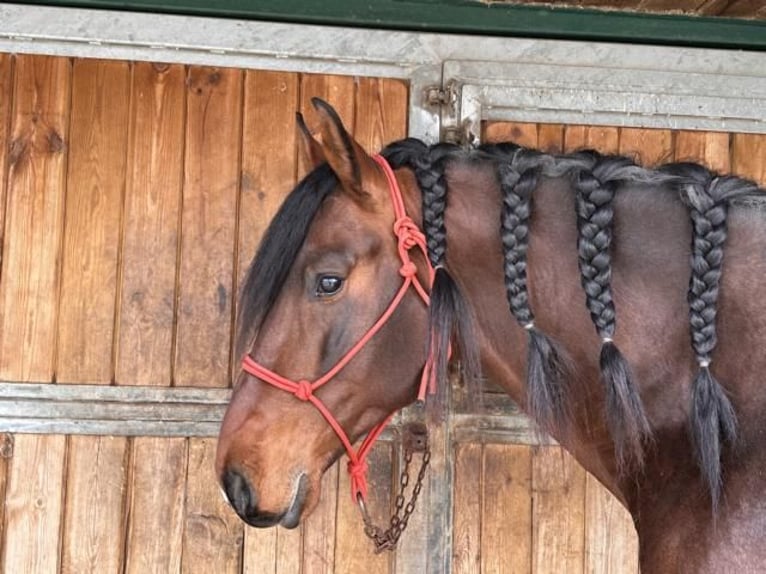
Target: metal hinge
447,98
443,97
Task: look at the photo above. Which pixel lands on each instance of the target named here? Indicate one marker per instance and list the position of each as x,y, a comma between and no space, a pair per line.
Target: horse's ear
346,157
310,147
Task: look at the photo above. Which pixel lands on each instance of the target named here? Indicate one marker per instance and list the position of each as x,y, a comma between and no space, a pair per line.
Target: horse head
331,296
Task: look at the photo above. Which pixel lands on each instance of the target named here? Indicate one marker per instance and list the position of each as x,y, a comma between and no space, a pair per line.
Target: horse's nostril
239,492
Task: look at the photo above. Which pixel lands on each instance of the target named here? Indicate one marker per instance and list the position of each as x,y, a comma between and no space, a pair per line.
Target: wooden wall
132,196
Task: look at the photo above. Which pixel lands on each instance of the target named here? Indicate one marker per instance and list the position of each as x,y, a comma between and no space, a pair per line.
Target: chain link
387,539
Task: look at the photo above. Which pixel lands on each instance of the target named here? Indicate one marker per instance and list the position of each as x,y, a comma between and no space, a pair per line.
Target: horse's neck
475,256
650,283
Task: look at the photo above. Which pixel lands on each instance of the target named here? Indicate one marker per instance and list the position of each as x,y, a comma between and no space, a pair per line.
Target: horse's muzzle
244,500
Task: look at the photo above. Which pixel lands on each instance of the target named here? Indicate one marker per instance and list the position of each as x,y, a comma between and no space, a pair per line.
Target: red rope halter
408,237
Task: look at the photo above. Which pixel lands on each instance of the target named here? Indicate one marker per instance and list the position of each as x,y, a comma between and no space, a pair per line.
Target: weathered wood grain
156,505
649,147
506,515
33,217
93,213
708,148
96,488
748,156
520,133
6,105
151,225
319,528
206,266
269,162
466,545
558,512
260,551
288,557
604,139
381,112
611,544
338,91
213,534
6,456
33,505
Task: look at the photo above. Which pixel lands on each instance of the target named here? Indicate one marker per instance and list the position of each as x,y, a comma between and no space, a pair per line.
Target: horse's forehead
342,219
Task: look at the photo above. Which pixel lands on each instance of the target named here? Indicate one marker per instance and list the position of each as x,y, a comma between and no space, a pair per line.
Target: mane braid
595,191
713,419
518,171
277,252
449,314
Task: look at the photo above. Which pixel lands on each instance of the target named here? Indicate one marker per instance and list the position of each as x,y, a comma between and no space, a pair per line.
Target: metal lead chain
416,440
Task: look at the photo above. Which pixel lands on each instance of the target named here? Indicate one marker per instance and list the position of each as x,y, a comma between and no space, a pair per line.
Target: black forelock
278,251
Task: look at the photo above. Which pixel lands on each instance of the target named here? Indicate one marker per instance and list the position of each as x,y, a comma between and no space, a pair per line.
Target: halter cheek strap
408,237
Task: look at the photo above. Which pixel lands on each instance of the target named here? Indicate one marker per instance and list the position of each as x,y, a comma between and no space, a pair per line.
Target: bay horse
349,312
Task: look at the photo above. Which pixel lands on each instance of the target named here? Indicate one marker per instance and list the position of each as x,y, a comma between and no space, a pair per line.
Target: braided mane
596,180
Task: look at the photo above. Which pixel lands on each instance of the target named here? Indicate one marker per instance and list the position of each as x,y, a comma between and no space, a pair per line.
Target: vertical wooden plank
93,533
748,153
338,91
33,505
156,507
506,515
33,217
611,544
260,551
289,551
523,134
6,104
708,148
381,112
550,138
353,550
6,456
319,528
558,519
211,183
151,225
95,180
213,534
268,160
649,147
605,139
466,545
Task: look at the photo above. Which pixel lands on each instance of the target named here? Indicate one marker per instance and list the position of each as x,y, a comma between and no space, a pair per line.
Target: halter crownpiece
409,237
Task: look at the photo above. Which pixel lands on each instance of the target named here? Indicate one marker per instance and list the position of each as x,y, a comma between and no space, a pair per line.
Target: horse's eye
328,285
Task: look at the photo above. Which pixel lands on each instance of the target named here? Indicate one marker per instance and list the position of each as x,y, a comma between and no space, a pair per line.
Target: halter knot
357,470
304,390
407,232
409,269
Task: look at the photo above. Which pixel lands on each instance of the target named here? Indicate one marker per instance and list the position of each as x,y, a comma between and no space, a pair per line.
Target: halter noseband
408,237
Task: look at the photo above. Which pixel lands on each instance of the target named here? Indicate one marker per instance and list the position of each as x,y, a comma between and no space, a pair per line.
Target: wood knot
6,446
18,150
55,142
214,78
160,68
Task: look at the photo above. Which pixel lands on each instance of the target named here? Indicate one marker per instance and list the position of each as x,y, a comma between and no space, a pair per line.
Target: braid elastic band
704,363
606,340
529,326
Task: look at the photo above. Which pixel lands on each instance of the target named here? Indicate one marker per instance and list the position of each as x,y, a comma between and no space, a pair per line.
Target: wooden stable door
132,196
